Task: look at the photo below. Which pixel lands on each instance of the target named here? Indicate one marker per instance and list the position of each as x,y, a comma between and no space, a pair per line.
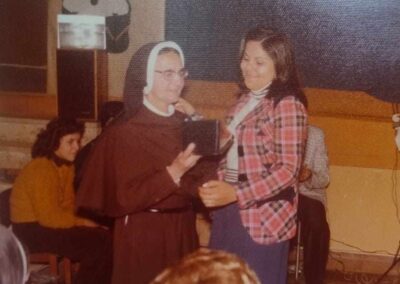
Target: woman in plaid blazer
255,198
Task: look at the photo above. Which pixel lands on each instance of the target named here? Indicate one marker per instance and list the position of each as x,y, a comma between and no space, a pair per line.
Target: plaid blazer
271,142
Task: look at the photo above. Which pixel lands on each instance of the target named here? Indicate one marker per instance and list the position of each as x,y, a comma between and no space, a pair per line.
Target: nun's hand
217,193
183,162
184,106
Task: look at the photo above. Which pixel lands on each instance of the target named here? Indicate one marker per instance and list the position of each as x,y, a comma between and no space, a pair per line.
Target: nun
139,173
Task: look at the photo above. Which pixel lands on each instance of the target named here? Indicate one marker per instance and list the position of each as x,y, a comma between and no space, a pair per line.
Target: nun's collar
152,108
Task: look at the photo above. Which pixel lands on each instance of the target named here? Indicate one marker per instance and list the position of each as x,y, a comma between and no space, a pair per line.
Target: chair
5,207
298,251
53,261
295,254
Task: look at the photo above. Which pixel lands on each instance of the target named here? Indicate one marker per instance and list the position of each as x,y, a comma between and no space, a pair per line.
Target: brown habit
124,176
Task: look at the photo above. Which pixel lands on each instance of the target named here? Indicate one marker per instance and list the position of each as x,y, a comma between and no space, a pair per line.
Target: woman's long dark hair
278,47
48,140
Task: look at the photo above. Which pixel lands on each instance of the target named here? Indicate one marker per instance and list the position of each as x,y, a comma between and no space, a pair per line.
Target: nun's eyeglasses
170,74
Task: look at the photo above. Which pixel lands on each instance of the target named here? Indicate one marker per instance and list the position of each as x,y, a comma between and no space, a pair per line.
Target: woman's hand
183,162
225,137
217,193
225,133
184,106
305,174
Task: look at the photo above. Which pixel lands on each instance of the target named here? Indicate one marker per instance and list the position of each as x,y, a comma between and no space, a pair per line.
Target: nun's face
168,80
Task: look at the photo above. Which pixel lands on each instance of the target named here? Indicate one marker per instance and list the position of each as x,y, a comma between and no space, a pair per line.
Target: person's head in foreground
209,267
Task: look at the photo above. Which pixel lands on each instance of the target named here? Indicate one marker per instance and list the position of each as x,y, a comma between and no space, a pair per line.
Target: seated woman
43,200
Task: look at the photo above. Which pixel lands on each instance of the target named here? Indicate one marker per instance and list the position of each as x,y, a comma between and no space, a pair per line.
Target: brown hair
48,140
208,266
278,47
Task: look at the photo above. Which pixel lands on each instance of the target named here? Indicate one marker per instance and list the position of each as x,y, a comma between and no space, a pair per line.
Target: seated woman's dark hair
48,140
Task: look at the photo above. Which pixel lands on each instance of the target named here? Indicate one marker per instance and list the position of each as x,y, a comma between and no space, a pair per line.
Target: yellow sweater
43,193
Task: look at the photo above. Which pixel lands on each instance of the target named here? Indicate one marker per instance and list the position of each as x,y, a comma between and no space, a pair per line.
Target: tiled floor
337,277
343,276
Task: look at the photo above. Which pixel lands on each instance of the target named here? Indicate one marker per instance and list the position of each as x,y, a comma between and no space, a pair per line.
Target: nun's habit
125,177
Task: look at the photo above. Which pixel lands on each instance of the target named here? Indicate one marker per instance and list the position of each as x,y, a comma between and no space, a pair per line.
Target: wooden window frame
37,105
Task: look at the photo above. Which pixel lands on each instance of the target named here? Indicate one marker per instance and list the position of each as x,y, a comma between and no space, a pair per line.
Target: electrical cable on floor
395,199
339,261
352,276
360,277
348,276
395,261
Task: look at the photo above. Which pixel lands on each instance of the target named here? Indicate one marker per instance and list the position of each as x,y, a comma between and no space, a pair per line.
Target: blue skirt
228,234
